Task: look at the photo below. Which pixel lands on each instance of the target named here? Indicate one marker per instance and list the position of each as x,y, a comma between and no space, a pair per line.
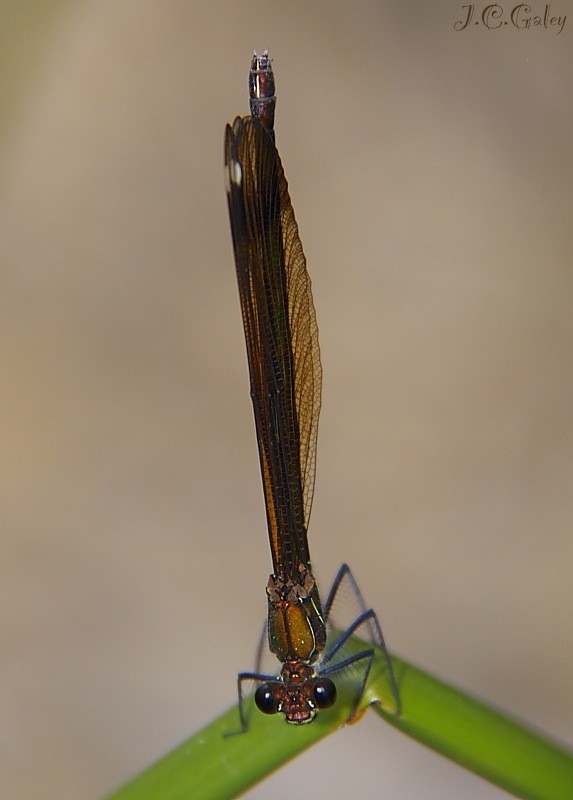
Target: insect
285,372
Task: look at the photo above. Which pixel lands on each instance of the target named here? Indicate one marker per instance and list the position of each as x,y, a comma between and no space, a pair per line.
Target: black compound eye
265,699
324,692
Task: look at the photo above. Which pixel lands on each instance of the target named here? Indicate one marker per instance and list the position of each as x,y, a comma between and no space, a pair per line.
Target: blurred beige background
431,175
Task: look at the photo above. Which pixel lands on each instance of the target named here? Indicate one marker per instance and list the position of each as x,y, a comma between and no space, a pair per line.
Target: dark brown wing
280,332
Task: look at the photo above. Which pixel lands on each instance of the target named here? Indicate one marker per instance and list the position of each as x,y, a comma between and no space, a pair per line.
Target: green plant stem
485,741
210,767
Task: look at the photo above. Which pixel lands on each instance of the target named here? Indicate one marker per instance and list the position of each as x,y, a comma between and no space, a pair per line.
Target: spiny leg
367,617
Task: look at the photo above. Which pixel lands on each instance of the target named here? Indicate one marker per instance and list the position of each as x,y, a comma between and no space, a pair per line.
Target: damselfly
285,377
